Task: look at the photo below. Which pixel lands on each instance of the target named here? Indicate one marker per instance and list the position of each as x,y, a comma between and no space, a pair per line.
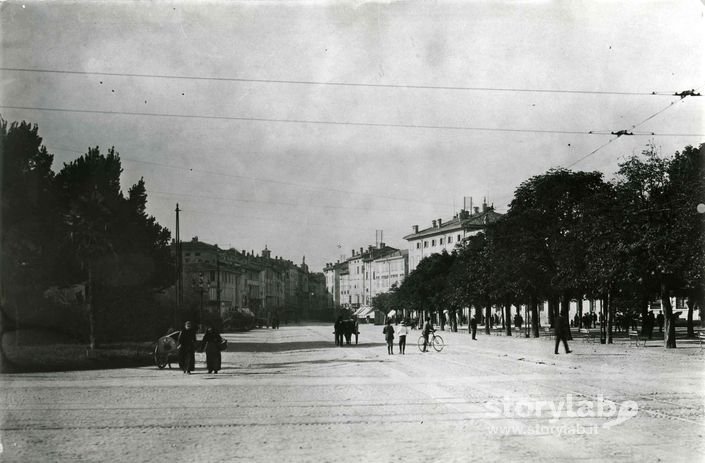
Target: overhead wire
670,105
332,83
322,122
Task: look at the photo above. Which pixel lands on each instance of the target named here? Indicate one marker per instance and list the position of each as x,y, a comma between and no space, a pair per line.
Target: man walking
187,348
427,330
473,326
561,329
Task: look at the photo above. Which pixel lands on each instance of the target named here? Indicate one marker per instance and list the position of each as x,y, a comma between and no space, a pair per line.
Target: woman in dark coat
211,344
187,348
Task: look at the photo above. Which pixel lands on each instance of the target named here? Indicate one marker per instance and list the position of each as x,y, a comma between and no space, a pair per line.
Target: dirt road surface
291,396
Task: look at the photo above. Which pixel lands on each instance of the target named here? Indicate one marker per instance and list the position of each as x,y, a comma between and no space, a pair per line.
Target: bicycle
434,340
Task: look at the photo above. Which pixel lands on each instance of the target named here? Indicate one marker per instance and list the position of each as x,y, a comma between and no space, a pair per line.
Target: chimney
361,249
484,205
415,228
440,222
434,224
353,253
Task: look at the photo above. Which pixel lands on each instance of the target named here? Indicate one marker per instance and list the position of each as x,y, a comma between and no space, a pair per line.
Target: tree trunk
535,316
552,310
644,310
508,318
580,312
603,326
91,314
488,318
669,329
691,329
610,321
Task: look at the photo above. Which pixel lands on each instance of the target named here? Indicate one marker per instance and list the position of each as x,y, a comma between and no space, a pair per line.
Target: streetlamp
201,284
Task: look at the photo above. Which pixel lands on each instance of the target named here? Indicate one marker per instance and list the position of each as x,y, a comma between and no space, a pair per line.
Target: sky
308,126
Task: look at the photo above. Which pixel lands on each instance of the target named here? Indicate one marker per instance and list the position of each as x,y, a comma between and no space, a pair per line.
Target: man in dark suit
561,329
473,326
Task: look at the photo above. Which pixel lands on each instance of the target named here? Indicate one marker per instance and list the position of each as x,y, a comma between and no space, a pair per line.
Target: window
458,237
440,241
425,244
418,245
212,275
450,239
433,243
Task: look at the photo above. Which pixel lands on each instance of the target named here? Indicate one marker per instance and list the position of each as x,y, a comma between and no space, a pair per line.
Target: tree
29,217
684,191
424,289
471,277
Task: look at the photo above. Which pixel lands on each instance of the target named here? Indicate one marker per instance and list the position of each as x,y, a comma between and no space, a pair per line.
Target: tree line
77,227
570,236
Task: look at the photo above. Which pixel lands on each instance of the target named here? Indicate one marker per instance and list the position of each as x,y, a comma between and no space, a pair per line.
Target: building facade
218,280
446,235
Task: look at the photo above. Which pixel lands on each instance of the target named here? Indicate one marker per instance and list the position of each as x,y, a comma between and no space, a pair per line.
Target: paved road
291,395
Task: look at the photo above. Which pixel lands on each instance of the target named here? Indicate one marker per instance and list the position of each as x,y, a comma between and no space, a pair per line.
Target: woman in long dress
211,344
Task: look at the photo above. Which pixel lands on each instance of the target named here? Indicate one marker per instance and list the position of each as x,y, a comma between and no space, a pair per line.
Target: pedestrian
403,331
211,344
594,320
659,320
388,332
348,327
473,326
427,330
561,329
356,328
338,331
187,348
651,323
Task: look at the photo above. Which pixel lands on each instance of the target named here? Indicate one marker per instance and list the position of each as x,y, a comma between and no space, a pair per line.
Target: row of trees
573,235
77,226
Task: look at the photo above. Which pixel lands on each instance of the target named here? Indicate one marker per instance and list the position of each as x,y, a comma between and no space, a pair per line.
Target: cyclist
427,330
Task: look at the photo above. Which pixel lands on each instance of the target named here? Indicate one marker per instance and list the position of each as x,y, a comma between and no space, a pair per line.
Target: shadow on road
289,346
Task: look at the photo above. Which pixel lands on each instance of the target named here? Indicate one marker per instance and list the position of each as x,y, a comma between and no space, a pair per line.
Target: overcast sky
257,150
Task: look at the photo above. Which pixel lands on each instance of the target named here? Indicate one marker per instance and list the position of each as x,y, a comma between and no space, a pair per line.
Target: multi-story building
445,235
360,281
389,271
217,280
332,274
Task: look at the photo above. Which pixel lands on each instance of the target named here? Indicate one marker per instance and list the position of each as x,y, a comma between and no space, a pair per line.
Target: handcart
166,350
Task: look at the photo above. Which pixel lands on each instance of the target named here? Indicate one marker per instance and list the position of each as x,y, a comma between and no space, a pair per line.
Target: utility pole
217,278
179,271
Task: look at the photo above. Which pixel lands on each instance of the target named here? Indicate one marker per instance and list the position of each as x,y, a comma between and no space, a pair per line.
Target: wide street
291,395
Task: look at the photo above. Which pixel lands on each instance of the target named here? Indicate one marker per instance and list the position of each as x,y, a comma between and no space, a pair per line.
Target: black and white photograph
352,231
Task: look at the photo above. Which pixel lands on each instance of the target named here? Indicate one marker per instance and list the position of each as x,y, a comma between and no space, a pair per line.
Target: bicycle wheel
420,343
438,343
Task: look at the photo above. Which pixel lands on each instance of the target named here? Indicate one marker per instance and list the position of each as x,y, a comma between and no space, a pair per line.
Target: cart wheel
159,359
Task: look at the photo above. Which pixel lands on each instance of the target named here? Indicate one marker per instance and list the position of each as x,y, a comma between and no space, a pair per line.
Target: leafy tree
112,243
471,275
28,216
684,191
424,289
